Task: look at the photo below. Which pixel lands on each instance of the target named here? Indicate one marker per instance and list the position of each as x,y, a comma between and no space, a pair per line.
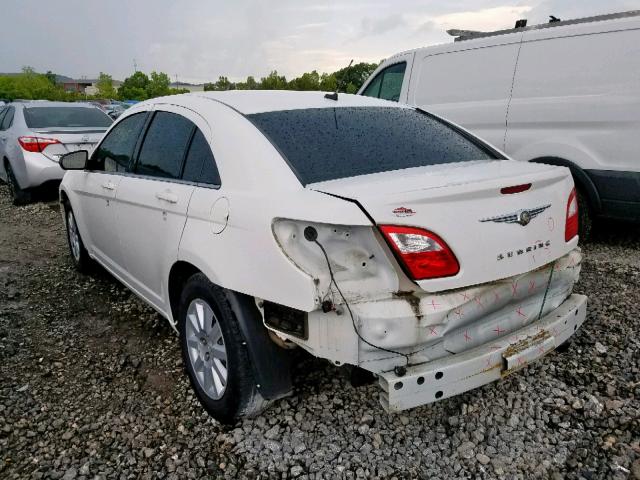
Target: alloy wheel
206,348
74,237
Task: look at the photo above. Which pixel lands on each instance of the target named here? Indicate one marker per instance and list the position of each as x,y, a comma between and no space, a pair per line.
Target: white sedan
368,233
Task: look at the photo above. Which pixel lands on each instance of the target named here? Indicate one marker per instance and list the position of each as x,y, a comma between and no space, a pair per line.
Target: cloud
379,26
202,39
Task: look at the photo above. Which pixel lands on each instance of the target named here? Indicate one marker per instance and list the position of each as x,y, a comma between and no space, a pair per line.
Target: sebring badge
522,217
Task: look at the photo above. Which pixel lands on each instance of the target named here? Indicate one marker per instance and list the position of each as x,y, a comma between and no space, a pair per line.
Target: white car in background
33,136
368,233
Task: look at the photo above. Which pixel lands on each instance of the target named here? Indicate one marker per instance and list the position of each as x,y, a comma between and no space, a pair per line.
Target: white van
565,93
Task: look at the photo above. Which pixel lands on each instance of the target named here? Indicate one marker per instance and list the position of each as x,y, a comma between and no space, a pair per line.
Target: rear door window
200,165
164,147
116,150
388,83
66,117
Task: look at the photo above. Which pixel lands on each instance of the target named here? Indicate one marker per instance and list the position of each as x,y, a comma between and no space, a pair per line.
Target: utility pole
135,66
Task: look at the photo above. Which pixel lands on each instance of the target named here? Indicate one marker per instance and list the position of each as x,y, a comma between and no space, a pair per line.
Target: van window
323,144
115,152
200,166
388,83
165,145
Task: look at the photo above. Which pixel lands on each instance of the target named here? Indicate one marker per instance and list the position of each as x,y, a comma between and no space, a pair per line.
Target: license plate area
525,351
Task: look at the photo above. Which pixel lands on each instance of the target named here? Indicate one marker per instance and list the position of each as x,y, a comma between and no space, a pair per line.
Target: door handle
109,185
167,197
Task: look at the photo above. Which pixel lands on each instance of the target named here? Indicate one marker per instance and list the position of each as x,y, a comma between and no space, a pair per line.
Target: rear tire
214,353
18,194
585,217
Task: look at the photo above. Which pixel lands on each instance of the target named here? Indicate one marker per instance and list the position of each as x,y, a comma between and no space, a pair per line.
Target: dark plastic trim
271,364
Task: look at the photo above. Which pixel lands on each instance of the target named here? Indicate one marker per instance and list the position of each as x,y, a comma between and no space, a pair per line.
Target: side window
164,146
200,165
388,83
8,119
373,89
2,112
392,82
115,152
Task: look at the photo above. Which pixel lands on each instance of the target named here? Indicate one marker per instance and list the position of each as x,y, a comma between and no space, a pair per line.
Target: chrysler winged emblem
522,217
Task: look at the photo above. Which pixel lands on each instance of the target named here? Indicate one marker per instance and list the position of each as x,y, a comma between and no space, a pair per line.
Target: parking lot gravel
92,387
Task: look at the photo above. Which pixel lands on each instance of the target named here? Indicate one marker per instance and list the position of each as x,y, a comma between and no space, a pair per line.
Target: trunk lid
462,204
71,139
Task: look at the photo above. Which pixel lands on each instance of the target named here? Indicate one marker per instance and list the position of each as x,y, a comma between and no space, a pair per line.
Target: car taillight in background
423,253
36,144
571,226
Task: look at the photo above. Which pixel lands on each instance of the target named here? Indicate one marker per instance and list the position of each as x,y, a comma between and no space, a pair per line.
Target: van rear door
468,82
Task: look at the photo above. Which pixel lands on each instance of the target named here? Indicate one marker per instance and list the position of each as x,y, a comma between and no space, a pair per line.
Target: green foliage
134,87
222,84
51,77
348,79
30,85
158,85
105,86
139,86
273,81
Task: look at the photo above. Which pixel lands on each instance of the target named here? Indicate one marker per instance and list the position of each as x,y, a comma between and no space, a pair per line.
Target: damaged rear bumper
455,374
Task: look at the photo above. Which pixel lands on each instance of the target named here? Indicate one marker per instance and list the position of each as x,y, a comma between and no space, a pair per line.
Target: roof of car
47,103
258,101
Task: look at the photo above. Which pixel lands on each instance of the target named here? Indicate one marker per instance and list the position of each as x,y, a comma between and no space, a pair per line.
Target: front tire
214,353
19,195
79,254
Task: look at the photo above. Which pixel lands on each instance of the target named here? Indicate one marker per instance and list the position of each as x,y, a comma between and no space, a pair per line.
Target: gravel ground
91,386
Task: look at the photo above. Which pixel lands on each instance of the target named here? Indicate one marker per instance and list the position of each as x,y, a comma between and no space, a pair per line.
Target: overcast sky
198,40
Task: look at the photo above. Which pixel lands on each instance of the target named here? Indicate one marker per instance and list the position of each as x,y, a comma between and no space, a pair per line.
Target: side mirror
74,160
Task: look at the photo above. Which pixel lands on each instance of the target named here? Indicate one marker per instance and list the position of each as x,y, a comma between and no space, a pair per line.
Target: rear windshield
47,117
328,143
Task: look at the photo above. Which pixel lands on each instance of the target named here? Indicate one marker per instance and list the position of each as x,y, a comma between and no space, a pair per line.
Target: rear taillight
571,226
423,253
36,144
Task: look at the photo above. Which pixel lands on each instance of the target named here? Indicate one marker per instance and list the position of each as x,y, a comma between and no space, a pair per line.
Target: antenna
334,95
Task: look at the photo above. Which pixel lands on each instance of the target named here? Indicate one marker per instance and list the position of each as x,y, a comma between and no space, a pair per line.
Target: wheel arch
580,177
271,364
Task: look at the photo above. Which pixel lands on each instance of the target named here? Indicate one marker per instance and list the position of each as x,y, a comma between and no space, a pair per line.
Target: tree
273,81
306,81
158,85
350,79
134,87
328,82
105,86
221,85
51,77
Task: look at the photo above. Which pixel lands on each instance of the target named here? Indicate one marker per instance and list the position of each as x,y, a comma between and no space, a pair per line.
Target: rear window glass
328,143
47,117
